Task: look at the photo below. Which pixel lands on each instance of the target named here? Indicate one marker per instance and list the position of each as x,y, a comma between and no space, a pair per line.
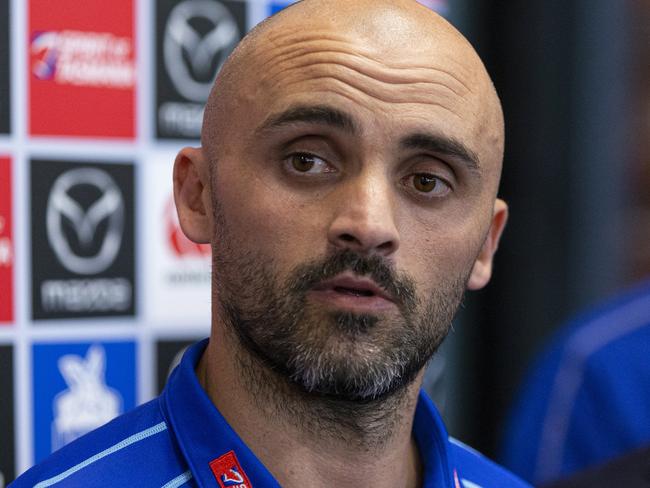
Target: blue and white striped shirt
181,439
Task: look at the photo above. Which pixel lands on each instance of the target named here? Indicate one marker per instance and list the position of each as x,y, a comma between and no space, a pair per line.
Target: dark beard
336,355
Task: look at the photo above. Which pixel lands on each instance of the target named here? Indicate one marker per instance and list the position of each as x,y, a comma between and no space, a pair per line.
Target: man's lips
353,285
352,291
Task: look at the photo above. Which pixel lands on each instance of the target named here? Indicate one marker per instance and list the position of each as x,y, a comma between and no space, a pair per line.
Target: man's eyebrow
310,114
447,146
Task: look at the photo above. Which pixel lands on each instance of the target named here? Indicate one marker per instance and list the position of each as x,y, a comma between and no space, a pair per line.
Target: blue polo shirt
181,440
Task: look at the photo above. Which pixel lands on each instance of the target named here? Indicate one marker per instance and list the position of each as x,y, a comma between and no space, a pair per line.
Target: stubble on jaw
340,376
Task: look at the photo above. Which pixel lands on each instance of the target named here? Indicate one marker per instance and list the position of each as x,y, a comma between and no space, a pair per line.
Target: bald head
390,44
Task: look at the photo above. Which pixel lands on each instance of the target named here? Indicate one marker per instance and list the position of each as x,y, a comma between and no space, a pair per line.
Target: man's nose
365,220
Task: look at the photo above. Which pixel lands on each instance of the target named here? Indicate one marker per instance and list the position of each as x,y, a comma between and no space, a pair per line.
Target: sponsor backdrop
5,108
7,457
6,243
100,292
82,239
168,355
193,39
77,388
81,68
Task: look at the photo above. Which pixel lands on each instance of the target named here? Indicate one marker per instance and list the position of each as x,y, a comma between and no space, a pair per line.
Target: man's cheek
449,261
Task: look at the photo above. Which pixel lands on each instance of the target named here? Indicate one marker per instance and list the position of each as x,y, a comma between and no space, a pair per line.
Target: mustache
400,287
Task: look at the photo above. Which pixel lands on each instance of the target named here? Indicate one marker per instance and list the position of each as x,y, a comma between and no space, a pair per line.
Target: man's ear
482,270
192,194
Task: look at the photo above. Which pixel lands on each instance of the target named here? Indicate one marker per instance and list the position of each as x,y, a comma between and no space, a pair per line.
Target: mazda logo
85,222
193,57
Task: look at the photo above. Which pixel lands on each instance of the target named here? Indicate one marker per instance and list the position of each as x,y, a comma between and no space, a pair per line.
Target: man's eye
430,184
308,163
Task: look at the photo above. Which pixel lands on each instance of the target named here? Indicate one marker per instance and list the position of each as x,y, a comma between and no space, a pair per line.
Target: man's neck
309,440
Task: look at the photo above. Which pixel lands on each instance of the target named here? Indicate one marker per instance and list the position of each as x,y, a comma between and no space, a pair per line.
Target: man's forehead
396,42
388,44
389,27
386,40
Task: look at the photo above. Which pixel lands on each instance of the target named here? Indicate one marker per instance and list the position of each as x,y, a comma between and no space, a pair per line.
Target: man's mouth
350,291
353,291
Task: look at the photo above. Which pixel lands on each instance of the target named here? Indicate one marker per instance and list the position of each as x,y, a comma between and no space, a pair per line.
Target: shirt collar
202,433
204,436
433,443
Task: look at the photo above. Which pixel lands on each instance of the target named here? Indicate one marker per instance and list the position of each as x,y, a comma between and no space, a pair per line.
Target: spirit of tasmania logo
82,69
79,58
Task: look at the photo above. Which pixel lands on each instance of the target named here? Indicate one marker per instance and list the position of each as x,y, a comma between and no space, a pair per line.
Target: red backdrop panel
6,243
81,68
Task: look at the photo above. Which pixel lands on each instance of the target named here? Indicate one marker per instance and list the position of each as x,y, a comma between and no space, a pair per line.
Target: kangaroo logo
88,402
229,472
232,478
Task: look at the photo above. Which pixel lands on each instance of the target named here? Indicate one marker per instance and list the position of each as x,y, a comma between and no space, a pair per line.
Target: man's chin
341,356
354,324
337,394
352,377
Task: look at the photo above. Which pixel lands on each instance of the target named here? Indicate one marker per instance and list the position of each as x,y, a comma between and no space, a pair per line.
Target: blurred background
99,290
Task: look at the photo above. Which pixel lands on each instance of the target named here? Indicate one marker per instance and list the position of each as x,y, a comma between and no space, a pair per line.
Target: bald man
347,182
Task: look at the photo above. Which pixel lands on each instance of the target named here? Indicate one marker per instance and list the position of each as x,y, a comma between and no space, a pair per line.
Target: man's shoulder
134,447
477,471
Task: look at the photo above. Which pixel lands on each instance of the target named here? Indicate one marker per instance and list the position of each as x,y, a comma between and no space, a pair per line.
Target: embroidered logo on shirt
229,472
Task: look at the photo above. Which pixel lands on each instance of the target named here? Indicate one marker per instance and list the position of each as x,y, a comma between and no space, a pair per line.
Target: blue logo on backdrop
79,387
275,7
